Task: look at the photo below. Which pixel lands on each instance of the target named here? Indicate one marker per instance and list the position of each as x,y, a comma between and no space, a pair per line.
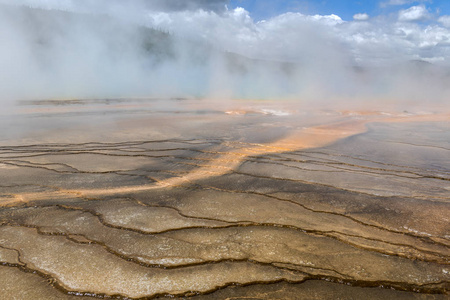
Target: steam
100,49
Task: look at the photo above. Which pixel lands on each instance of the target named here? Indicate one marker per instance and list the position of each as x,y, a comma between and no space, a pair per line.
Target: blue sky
264,9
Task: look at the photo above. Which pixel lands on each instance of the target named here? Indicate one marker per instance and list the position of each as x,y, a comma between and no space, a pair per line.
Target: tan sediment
182,216
302,138
226,162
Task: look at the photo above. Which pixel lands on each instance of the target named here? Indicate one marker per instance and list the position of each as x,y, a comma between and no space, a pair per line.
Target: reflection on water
153,198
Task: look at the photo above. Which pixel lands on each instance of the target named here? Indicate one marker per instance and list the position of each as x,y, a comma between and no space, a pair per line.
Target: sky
346,9
324,39
369,32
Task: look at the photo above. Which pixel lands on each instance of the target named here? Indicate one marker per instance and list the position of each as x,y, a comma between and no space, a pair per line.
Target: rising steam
70,52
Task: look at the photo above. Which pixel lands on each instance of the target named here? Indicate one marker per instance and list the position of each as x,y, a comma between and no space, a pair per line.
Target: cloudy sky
369,32
345,9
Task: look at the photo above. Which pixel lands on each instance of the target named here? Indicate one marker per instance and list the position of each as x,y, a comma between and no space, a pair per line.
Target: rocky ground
141,199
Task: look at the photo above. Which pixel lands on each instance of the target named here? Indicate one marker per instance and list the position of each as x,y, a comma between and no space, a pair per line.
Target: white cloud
414,13
401,2
327,19
397,2
394,43
361,17
161,5
45,4
445,21
289,36
299,37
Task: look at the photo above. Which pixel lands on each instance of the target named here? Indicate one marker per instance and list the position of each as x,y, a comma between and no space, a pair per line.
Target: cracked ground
144,199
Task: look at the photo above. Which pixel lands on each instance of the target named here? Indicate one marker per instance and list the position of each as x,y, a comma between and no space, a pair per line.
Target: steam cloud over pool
96,49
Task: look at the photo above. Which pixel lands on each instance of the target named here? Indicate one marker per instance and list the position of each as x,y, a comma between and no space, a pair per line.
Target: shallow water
152,198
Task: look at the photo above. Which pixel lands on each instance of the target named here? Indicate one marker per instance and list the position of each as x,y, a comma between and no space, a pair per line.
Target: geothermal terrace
148,198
